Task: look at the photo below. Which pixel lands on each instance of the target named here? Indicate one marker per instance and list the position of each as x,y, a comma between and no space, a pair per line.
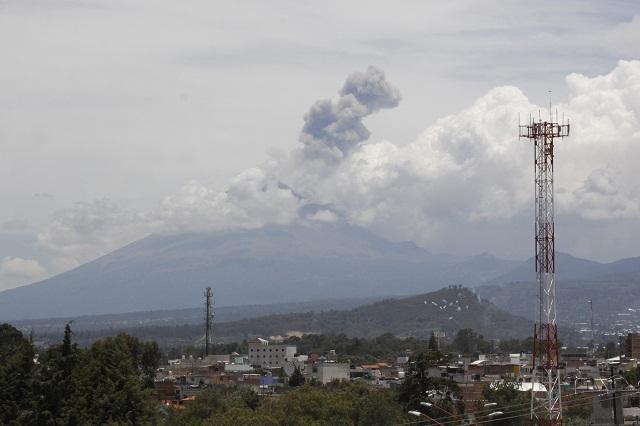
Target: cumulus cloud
251,200
466,170
604,196
89,229
15,271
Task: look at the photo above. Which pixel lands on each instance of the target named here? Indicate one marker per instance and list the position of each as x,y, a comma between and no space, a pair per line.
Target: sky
124,118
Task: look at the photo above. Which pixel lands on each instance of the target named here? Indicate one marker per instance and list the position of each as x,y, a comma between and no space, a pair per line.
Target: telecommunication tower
546,353
208,294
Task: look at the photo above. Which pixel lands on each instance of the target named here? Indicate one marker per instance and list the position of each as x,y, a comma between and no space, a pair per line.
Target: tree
296,379
433,342
108,387
251,399
379,409
418,386
18,402
207,404
468,342
577,412
610,350
506,393
57,365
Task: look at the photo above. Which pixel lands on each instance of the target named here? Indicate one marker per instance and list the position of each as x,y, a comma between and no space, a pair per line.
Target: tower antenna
546,351
208,294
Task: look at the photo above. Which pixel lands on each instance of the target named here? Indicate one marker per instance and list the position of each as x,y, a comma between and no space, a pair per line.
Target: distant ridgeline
447,310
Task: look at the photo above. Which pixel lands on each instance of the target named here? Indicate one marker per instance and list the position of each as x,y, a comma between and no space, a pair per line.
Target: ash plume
333,128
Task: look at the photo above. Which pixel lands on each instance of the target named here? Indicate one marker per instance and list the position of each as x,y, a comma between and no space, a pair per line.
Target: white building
264,354
330,371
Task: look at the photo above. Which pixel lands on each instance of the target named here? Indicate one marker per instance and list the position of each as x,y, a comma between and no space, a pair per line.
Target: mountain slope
567,268
570,268
616,304
613,287
303,261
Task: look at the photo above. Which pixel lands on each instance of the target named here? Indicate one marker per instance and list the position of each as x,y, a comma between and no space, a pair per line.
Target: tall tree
18,402
296,379
433,342
108,387
57,365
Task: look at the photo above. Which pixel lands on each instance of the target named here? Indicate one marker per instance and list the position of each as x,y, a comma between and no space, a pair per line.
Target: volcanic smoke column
546,354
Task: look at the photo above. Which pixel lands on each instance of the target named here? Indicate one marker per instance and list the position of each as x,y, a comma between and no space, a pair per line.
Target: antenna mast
208,320
593,332
546,353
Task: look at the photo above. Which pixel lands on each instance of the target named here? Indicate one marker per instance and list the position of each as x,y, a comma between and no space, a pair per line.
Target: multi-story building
265,355
633,345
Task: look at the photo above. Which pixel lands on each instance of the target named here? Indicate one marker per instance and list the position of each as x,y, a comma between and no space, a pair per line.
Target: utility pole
208,320
593,336
546,353
613,388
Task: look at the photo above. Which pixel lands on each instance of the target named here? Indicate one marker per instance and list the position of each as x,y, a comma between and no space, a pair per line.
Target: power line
523,412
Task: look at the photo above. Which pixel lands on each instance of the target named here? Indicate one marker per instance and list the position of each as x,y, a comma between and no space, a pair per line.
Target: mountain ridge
274,264
302,261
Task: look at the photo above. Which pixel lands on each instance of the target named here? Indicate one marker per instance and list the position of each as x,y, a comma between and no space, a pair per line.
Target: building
327,372
633,345
266,355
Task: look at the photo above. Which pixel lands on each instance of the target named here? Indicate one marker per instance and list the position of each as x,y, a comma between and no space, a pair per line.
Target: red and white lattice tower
546,353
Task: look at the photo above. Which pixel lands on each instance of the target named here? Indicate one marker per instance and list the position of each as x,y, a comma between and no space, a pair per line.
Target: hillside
180,317
613,287
449,310
616,304
570,268
299,262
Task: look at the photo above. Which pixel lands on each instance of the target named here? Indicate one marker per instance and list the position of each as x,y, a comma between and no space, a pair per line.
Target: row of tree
110,382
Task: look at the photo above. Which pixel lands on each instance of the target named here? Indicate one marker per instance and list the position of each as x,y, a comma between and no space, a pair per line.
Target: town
600,383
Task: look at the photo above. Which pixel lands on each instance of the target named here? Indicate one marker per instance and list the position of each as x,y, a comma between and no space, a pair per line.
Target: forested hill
449,310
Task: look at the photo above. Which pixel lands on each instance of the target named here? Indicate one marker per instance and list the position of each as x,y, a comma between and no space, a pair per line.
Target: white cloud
16,271
624,38
466,171
90,229
324,216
